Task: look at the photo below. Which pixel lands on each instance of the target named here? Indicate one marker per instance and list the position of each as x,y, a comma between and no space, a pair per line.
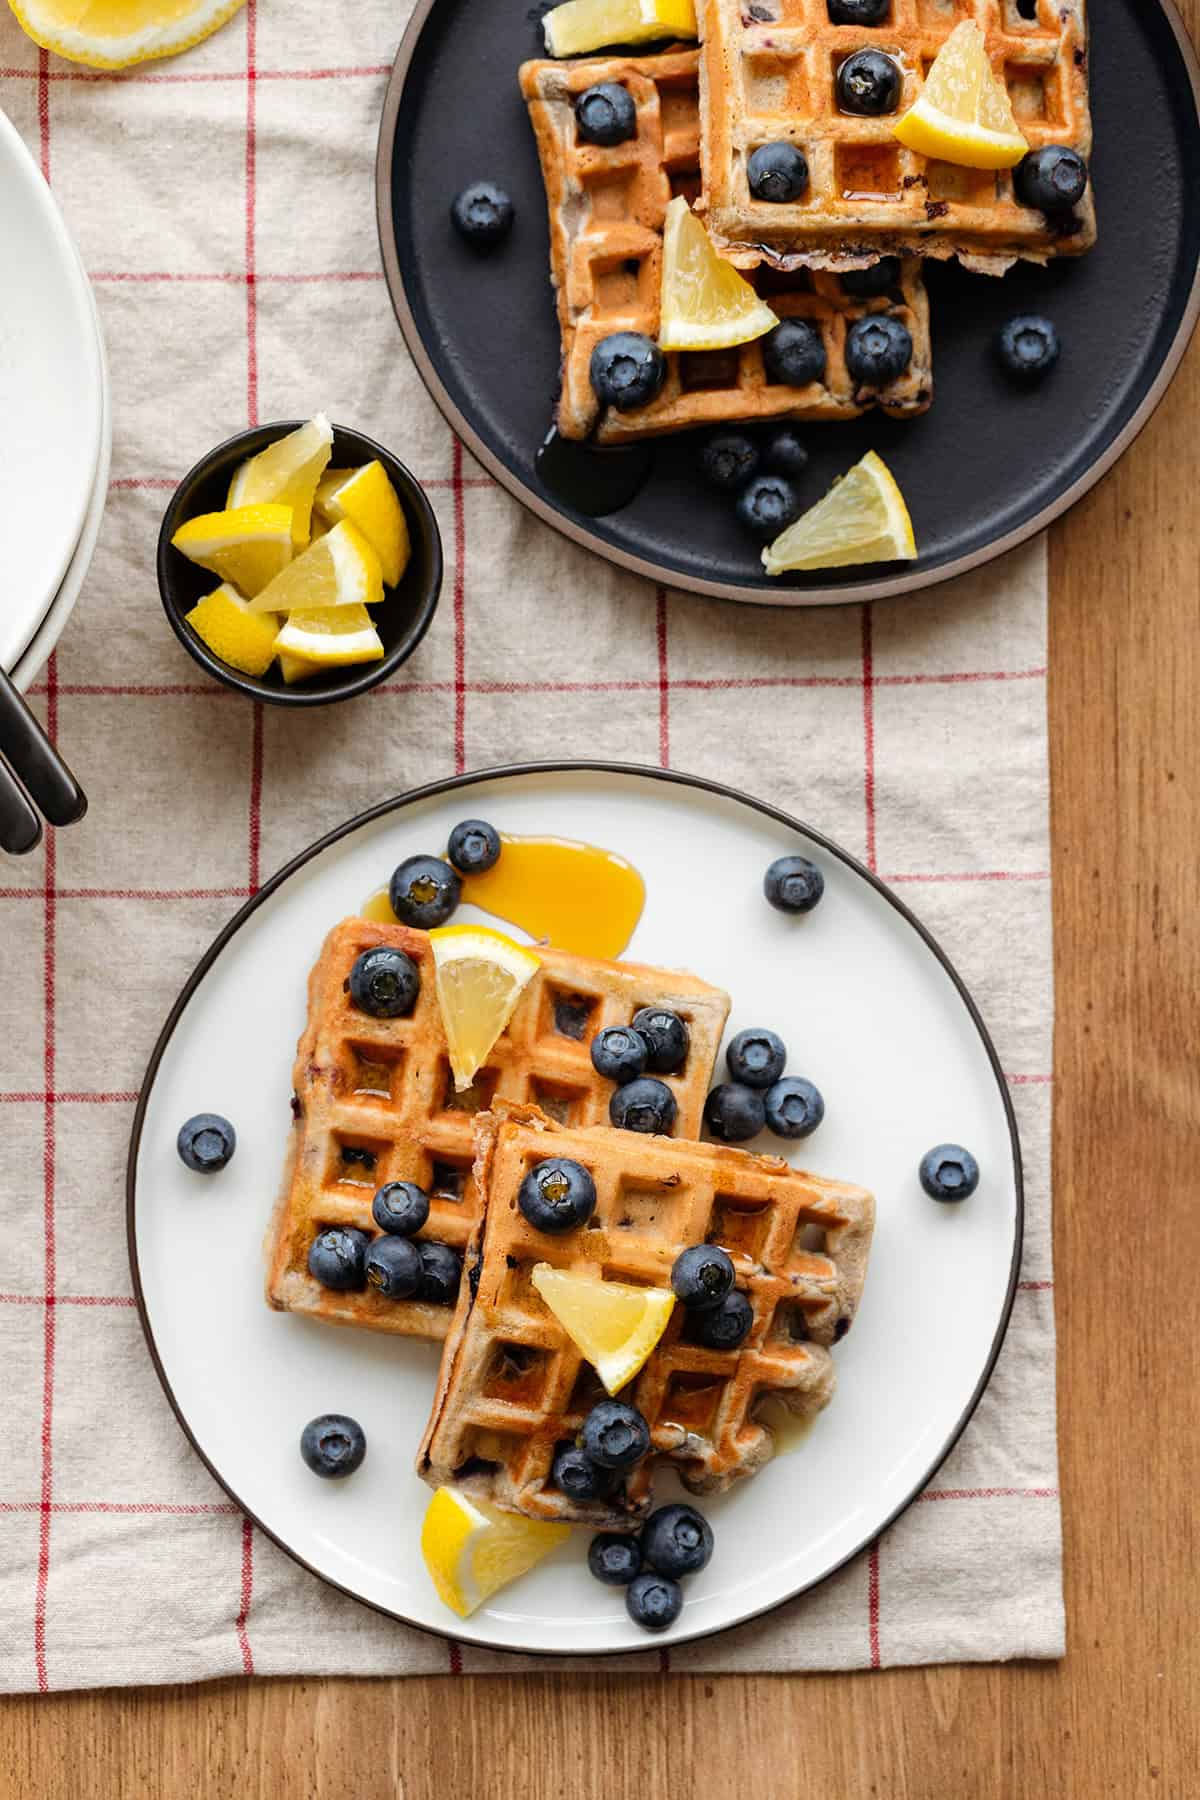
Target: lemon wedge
480,974
243,639
287,471
329,637
111,34
963,113
706,304
368,500
592,24
340,569
615,1326
472,1549
862,519
247,545
297,668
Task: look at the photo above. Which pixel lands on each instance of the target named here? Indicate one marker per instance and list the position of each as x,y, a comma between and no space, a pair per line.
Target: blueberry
1027,347
865,284
868,83
701,1276
337,1258
206,1143
653,1601
400,1207
578,1476
646,1104
785,454
605,114
619,1053
756,1058
557,1195
949,1173
794,1107
614,1558
614,1435
728,459
767,505
483,214
794,353
474,847
677,1540
393,1266
878,349
793,884
333,1446
1052,179
777,172
858,12
725,1326
734,1113
441,1273
627,370
424,891
384,982
666,1034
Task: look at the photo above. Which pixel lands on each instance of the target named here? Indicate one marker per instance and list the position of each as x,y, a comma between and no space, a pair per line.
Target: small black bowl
401,621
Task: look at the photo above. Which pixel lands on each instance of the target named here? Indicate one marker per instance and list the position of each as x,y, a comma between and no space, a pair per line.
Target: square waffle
375,1102
767,73
512,1386
607,207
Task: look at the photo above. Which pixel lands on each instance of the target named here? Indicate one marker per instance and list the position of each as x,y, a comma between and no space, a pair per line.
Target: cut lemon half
366,498
111,34
330,637
288,471
963,113
243,639
247,545
706,304
480,975
862,519
340,569
472,1549
581,25
614,1325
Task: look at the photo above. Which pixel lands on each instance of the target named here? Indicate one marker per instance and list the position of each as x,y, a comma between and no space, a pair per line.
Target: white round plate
870,1010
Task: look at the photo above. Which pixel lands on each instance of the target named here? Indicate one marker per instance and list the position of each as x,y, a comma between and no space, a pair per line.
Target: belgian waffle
512,1385
375,1102
607,207
767,74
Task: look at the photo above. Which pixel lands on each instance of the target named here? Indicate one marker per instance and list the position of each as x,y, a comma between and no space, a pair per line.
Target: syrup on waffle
513,1387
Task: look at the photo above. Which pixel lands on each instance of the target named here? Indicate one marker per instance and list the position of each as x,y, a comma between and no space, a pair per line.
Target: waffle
607,207
767,73
375,1102
512,1385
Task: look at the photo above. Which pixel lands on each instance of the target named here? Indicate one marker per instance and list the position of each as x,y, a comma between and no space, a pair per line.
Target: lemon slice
340,569
480,974
247,545
288,471
963,113
862,519
368,500
297,668
243,639
330,637
706,304
111,34
472,1549
591,24
614,1325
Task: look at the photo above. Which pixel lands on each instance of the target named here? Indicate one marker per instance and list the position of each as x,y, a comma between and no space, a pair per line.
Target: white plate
51,396
870,1011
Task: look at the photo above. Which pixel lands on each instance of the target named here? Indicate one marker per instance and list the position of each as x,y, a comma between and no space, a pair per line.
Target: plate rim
883,587
508,771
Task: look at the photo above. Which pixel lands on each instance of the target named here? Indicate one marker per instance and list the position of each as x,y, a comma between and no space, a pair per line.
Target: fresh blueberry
619,1053
653,1601
868,83
734,1113
393,1266
949,1173
605,114
1052,179
858,12
337,1258
424,891
725,1326
793,884
400,1208
614,1558
627,370
1027,347
483,214
777,172
557,1195
333,1446
578,1476
646,1104
794,1107
441,1273
785,454
384,982
206,1143
728,459
614,1435
474,847
701,1276
767,505
865,284
794,353
677,1540
756,1058
878,349
666,1034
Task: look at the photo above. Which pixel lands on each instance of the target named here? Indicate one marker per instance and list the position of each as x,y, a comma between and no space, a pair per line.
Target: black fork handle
39,770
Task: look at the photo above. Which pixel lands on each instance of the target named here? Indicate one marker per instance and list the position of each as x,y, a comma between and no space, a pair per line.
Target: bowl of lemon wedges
299,562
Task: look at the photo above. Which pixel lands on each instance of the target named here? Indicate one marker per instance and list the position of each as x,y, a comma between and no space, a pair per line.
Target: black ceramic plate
987,467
